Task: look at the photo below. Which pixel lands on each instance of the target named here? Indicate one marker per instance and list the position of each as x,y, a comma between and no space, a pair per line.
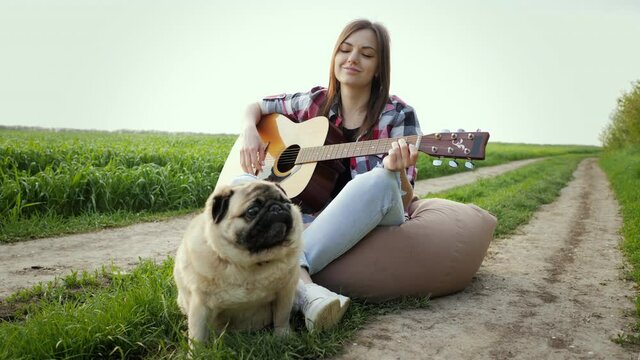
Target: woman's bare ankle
304,276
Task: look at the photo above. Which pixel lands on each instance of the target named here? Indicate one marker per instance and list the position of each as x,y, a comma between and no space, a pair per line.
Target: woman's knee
378,180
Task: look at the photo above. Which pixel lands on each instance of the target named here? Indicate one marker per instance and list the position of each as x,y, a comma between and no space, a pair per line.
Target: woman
374,190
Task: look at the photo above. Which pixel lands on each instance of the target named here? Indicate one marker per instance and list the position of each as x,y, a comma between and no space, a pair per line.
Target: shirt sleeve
405,124
298,107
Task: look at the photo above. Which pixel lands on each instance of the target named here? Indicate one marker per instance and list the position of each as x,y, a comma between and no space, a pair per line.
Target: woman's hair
381,81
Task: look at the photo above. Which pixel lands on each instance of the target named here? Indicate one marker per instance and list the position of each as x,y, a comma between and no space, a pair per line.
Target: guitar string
333,149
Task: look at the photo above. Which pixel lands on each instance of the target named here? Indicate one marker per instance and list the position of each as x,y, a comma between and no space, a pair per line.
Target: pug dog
237,266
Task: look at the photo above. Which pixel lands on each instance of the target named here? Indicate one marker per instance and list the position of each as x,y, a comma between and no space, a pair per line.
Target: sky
535,71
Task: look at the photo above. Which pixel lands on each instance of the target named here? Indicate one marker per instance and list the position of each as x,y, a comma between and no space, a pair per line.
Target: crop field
56,176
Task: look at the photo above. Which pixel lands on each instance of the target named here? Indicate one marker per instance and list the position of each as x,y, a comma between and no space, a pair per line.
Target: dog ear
220,205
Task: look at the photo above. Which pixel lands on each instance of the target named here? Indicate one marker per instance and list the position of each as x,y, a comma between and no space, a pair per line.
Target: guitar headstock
461,144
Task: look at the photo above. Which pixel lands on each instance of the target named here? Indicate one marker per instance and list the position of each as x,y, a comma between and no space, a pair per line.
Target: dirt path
554,291
28,263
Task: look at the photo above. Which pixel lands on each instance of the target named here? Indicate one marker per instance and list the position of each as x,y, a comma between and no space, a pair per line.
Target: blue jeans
369,200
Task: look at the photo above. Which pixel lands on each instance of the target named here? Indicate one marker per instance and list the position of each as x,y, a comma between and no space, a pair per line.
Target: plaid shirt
397,119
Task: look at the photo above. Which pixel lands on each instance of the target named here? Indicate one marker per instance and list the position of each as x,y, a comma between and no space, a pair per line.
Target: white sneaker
344,304
344,300
321,308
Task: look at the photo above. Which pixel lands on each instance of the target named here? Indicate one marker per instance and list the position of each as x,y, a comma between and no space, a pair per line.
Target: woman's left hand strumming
401,156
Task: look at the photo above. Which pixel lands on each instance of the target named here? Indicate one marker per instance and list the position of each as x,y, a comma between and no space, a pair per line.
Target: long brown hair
381,81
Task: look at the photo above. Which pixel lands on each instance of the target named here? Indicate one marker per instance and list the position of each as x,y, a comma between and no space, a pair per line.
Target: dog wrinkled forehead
264,189
248,192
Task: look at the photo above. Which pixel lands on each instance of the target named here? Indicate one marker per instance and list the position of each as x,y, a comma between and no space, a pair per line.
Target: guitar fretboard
346,150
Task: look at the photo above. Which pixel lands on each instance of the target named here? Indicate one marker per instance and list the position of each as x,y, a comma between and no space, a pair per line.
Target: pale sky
537,71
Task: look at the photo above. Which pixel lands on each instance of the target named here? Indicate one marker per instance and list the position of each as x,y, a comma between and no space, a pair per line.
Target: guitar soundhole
287,159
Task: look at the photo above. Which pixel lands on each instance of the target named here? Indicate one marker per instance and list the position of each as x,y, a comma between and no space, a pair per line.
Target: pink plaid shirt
397,119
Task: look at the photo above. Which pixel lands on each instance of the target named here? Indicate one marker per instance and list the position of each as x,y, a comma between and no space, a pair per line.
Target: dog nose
275,209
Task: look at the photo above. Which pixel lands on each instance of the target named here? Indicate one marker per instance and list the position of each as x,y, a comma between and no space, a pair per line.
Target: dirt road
553,291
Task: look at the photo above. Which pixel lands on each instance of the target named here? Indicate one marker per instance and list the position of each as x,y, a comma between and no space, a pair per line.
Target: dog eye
253,211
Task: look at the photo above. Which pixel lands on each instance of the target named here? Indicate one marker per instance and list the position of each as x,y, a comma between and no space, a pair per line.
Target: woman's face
356,61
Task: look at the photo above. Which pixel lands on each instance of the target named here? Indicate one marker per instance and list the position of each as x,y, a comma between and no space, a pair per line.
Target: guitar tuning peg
445,131
469,165
437,162
478,130
453,163
460,130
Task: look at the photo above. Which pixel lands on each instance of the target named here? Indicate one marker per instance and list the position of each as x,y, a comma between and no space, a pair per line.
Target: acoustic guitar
304,157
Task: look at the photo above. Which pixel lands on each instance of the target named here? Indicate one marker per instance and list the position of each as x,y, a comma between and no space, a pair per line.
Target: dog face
252,221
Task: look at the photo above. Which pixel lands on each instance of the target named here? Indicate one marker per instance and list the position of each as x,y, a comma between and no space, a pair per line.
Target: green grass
623,170
91,172
130,317
62,182
136,316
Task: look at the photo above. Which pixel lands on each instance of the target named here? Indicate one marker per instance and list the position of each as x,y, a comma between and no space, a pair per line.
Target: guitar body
310,184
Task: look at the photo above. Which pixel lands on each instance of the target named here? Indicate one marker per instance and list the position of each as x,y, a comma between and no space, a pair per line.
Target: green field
55,183
64,182
623,170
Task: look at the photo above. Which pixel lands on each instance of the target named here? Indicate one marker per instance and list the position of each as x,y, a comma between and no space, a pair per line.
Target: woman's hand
401,156
252,153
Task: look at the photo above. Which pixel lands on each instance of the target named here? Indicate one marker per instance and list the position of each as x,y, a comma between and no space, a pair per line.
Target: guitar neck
352,149
463,145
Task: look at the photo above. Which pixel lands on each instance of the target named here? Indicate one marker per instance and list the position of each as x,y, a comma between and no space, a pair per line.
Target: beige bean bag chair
436,252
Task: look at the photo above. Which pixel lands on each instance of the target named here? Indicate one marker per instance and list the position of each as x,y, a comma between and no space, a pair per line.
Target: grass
55,183
129,317
623,170
105,172
135,315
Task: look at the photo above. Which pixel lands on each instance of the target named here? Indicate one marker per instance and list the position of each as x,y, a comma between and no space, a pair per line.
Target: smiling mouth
350,69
